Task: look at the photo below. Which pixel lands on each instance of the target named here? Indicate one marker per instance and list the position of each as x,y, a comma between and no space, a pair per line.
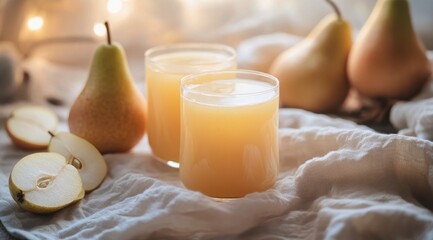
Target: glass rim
192,46
274,82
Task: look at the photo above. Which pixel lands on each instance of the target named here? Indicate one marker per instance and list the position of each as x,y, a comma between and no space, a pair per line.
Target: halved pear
80,196
83,155
44,183
28,126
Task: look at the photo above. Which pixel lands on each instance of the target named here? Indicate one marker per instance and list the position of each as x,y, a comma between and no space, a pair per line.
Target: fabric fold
337,180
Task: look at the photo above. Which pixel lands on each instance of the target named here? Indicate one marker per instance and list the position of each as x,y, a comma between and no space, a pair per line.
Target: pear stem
108,33
336,10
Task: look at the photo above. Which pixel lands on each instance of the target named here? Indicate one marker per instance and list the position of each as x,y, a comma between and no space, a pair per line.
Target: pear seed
43,182
76,163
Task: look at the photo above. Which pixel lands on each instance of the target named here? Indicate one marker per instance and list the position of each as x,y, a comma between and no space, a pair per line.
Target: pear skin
110,111
312,73
388,60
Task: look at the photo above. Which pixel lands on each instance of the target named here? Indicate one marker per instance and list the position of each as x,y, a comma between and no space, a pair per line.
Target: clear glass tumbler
164,67
229,132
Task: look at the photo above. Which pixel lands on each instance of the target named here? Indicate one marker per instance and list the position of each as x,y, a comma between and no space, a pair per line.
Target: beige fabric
415,118
337,181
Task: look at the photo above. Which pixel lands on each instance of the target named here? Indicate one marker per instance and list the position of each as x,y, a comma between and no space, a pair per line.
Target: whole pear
388,60
110,111
312,73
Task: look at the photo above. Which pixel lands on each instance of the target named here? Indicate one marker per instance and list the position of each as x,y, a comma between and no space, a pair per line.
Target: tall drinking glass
229,132
164,67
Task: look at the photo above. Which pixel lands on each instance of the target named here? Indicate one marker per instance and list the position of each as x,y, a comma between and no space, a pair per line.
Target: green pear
110,111
388,60
312,73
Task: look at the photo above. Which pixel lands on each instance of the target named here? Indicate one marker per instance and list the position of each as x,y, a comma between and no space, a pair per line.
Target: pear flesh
83,156
44,183
388,60
110,112
312,73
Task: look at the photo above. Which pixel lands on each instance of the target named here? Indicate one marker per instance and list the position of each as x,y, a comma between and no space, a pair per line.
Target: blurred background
53,41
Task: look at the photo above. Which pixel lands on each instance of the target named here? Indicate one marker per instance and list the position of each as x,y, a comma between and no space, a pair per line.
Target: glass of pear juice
229,132
164,67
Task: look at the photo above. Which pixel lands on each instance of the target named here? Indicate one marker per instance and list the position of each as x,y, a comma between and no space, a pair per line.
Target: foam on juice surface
233,92
190,61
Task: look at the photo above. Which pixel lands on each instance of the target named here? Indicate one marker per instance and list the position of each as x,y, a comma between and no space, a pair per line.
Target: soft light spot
114,6
99,29
35,23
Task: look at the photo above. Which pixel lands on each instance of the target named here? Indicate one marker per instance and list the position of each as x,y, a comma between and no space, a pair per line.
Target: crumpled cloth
337,180
415,117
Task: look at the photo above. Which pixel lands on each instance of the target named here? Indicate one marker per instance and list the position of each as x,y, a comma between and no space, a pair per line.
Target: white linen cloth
415,118
337,180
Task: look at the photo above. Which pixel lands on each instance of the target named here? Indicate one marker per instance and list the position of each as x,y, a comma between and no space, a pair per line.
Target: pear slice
44,183
28,126
83,155
80,196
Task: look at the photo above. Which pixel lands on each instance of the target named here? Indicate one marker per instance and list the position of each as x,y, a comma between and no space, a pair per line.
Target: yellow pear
110,111
388,60
45,182
312,73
